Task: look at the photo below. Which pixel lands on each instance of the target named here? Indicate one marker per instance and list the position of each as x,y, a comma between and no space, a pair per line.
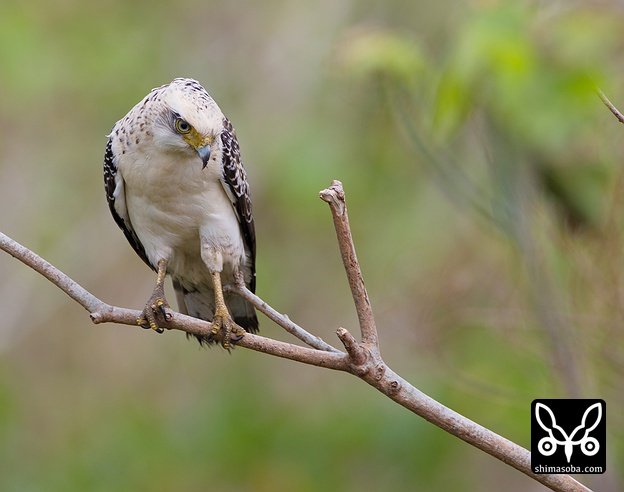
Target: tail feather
243,313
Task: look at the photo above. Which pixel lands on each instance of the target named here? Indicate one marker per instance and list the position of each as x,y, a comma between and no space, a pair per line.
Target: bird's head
189,120
200,143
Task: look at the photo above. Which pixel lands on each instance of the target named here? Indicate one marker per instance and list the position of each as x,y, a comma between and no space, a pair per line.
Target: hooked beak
204,153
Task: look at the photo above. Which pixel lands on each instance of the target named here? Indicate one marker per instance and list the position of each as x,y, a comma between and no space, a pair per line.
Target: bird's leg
157,304
222,319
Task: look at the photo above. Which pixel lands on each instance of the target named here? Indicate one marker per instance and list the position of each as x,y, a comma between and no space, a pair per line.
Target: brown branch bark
363,359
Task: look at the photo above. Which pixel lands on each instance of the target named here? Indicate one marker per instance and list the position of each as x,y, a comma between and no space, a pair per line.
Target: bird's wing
116,196
235,183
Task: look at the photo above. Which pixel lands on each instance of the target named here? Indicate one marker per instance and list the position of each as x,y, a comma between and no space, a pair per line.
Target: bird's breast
174,207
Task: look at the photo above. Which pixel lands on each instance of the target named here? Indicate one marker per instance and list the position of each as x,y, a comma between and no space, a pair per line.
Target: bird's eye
182,126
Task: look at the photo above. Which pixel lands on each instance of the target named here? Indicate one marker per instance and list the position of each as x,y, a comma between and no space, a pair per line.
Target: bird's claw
223,324
157,309
165,311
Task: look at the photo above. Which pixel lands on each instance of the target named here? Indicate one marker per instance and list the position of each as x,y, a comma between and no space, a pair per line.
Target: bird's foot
223,325
157,312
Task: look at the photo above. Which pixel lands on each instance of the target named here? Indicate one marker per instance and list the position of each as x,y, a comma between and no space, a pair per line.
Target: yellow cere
196,140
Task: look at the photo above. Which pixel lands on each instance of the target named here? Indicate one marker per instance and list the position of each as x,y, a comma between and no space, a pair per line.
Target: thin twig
609,104
281,319
334,196
356,352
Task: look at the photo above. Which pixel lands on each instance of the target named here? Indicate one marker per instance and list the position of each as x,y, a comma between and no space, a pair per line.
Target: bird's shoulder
234,173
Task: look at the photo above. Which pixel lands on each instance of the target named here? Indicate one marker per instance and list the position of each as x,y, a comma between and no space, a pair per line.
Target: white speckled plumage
173,205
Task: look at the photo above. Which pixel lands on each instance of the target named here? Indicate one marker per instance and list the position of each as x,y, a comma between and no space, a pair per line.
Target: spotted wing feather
237,186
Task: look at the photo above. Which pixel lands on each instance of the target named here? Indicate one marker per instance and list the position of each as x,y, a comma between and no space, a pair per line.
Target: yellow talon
157,304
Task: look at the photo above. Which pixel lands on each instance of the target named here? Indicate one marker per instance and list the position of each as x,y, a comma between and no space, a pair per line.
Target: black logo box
568,415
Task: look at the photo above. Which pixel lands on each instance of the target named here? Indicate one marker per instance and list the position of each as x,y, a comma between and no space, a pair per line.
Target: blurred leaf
375,52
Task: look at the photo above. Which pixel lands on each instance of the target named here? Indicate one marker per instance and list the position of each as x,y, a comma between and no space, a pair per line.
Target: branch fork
360,358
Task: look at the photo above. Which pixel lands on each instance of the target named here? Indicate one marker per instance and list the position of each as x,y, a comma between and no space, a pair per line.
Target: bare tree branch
360,358
335,197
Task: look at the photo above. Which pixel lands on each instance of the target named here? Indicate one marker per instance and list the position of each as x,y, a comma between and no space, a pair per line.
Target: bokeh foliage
484,187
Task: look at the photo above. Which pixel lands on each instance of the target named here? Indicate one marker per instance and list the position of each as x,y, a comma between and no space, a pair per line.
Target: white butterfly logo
557,436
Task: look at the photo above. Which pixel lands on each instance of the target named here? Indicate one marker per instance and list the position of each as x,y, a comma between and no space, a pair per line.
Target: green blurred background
485,190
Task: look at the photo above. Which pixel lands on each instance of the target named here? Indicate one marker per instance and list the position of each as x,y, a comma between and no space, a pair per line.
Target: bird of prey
177,188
